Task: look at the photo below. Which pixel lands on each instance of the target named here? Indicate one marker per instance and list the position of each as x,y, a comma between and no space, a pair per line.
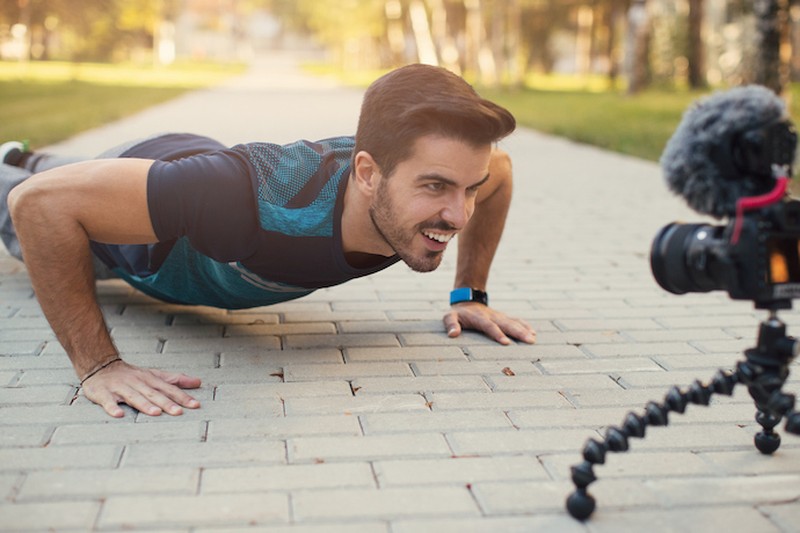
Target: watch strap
468,294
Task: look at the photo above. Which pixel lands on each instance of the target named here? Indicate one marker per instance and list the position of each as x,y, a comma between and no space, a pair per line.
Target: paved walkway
351,411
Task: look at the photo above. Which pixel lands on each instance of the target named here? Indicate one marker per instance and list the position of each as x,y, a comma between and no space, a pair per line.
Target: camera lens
681,260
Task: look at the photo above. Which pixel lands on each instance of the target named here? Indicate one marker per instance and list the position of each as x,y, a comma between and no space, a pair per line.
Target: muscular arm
477,244
56,214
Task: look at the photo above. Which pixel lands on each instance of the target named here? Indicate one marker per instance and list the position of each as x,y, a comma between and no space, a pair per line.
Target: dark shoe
13,152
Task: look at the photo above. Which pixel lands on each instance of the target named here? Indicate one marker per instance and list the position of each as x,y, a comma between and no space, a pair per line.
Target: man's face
429,198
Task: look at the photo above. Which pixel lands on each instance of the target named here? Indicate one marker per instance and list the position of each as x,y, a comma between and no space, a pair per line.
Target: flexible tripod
764,371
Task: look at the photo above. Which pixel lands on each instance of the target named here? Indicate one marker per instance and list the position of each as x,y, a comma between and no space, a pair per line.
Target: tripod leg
767,441
580,503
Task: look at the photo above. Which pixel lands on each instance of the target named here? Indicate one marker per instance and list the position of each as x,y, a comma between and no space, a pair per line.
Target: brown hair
418,100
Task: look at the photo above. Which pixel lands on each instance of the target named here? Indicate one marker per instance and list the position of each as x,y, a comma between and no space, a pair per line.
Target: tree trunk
696,52
583,44
638,46
422,33
613,17
771,16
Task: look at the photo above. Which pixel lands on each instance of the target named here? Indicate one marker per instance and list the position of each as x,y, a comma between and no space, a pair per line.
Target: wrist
100,366
468,294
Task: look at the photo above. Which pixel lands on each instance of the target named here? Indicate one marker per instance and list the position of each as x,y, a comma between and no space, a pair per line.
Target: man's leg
10,177
24,165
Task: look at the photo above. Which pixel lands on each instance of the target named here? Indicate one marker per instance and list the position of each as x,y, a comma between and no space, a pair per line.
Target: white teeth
440,237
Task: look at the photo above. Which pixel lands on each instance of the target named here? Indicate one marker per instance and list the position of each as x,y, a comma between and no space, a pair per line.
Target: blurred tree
771,23
94,30
696,50
638,46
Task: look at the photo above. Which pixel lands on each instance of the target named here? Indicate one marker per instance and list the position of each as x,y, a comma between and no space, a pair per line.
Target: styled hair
417,100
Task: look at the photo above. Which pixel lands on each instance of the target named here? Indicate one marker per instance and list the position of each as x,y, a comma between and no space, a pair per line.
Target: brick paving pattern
351,410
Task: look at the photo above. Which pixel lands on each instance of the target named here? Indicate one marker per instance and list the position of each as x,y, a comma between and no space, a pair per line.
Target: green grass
47,102
636,125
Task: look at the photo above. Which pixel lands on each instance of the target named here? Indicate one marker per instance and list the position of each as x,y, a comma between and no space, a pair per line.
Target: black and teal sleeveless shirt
251,225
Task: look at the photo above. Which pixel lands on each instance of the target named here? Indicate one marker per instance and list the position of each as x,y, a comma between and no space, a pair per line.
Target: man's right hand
147,390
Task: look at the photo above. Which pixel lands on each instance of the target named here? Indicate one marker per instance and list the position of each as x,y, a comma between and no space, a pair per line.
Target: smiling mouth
442,238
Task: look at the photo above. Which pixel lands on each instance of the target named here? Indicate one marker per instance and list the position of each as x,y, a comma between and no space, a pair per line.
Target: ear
366,173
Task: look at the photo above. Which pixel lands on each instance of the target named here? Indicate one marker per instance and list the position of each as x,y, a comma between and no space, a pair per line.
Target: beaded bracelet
99,368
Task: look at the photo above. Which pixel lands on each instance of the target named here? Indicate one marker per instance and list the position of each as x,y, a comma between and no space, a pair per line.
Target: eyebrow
448,181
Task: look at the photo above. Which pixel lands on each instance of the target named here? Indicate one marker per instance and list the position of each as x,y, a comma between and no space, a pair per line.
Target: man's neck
359,235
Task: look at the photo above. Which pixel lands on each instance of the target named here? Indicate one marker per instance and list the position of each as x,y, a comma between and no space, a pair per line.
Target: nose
458,210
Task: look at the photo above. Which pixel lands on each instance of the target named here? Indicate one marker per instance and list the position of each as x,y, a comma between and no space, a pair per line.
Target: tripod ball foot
767,443
580,504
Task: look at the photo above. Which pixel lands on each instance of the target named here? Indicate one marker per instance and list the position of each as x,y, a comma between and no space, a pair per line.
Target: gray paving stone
287,478
239,344
533,497
683,520
636,464
384,504
643,349
248,408
496,400
356,405
204,454
80,515
227,428
298,328
101,483
280,357
785,515
189,511
785,461
484,368
423,324
506,383
22,347
514,442
6,377
177,430
419,384
311,372
47,394
298,389
536,352
7,483
53,414
374,354
461,470
771,488
28,435
424,421
521,524
367,448
30,362
37,377
601,417
319,527
301,341
84,456
602,366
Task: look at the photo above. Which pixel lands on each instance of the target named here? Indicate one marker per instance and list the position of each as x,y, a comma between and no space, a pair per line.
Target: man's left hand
493,324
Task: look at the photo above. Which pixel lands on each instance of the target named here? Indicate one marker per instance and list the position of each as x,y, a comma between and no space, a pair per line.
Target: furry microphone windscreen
699,159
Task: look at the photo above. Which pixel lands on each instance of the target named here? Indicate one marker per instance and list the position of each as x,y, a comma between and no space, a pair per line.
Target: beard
384,217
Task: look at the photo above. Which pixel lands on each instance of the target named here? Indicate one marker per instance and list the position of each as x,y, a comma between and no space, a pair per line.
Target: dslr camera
756,255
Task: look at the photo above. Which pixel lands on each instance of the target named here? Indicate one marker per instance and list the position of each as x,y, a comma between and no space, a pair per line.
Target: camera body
762,263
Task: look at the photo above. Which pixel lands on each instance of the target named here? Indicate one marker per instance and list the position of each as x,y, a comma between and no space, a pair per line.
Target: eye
435,186
472,191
